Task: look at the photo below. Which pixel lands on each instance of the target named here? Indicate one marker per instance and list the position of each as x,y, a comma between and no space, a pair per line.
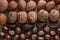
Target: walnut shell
3,19
3,5
12,17
22,17
43,15
54,15
32,16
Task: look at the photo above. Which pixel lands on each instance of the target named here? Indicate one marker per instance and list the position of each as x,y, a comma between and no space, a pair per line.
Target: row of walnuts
27,6
31,16
45,10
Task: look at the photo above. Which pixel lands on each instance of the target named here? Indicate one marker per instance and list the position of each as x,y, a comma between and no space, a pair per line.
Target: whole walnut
3,5
58,7
12,5
41,4
3,19
22,17
32,16
54,15
50,5
31,5
43,15
22,4
12,16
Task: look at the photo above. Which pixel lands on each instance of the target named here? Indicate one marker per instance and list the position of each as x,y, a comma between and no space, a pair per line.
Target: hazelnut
3,5
22,36
22,4
58,30
16,37
43,15
41,4
8,37
54,15
58,7
34,30
22,17
12,17
52,33
3,19
56,37
18,30
12,5
47,37
32,16
40,38
31,5
50,5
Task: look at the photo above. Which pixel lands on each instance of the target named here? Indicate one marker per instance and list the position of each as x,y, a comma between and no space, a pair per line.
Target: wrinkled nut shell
32,16
54,15
50,5
21,4
3,5
12,17
31,5
12,5
43,15
41,4
22,17
3,19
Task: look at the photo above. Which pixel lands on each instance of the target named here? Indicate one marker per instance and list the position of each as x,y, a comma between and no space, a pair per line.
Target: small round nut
57,1
22,4
43,15
3,19
58,7
12,5
54,15
50,5
31,5
3,5
41,4
12,17
32,16
22,17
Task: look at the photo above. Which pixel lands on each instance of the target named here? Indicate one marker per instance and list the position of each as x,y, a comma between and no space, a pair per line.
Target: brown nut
50,5
41,4
12,5
3,19
58,7
31,5
21,4
57,1
32,16
22,36
8,37
12,17
22,17
56,37
3,5
43,15
54,15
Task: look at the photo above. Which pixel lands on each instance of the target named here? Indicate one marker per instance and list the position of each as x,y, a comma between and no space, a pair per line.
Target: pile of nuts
29,19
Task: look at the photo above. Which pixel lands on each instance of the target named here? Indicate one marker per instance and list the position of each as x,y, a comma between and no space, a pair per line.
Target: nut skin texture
50,5
22,4
22,36
54,15
32,16
8,37
3,5
31,5
12,5
58,7
22,17
12,17
3,19
43,15
41,4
